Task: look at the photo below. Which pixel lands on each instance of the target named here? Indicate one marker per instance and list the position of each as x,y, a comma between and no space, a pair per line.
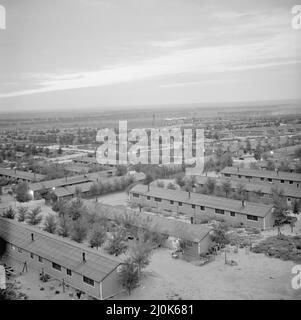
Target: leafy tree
75,209
79,230
219,235
94,190
97,236
9,213
22,212
257,153
226,186
180,180
60,206
210,185
148,179
296,206
117,244
128,276
64,226
50,224
280,208
284,166
121,170
140,254
298,153
270,165
33,217
160,184
248,146
22,194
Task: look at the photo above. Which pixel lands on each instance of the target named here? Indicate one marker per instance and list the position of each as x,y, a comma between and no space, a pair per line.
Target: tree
79,230
9,213
22,194
180,180
298,153
257,153
60,206
148,179
64,226
296,206
226,186
117,244
75,209
280,208
128,276
50,224
22,212
248,146
97,236
140,252
270,165
33,217
160,184
121,170
210,185
219,235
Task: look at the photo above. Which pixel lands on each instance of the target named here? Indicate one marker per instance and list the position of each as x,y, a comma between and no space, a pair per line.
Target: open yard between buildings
255,277
114,199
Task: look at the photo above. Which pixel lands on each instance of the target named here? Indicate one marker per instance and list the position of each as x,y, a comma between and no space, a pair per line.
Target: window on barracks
253,218
219,211
88,281
158,199
56,266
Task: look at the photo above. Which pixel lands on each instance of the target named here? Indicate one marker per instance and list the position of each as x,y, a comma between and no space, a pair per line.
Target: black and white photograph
150,150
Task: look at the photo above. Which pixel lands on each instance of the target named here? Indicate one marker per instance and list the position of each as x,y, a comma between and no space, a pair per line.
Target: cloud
247,41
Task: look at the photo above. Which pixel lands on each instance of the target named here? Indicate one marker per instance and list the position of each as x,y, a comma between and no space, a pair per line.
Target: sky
80,54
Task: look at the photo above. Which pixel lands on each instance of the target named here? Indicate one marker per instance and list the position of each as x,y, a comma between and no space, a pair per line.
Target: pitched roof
265,188
280,175
25,175
164,225
249,208
72,180
57,249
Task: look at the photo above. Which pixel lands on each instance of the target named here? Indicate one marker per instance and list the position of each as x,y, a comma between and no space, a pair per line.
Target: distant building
263,176
76,265
200,207
71,181
18,175
264,189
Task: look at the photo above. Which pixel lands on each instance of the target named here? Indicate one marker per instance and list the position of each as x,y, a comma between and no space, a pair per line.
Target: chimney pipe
84,257
148,187
32,237
189,195
243,203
